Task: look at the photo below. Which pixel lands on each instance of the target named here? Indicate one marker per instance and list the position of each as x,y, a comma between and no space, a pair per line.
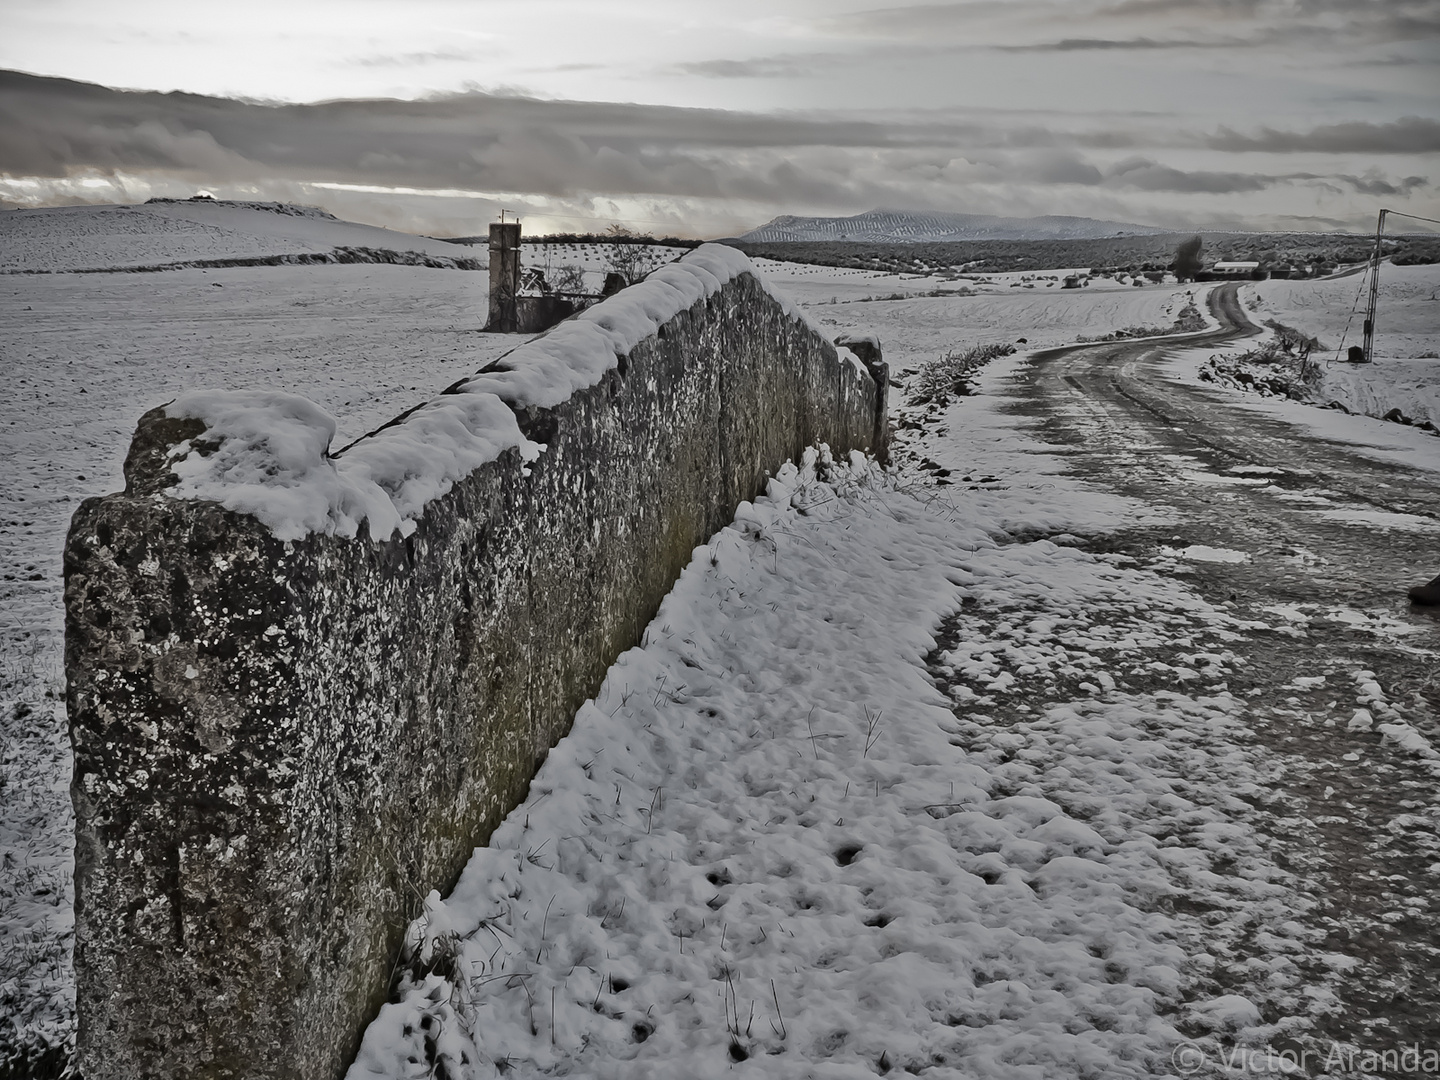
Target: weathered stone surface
867,349
277,741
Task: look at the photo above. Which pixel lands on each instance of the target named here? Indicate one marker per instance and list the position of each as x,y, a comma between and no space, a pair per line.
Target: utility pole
1374,290
1365,354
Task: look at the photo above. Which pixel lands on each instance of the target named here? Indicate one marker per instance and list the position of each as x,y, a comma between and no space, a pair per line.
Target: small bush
1189,320
949,376
1417,256
1290,340
629,254
567,280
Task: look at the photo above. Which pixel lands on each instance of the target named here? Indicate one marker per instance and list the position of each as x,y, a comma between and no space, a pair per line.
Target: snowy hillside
170,233
892,226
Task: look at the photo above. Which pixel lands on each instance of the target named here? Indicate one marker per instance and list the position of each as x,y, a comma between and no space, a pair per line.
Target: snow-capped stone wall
300,683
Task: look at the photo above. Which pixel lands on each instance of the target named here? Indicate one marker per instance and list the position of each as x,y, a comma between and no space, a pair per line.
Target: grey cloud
1169,9
413,59
1063,168
473,142
1187,24
1371,184
922,20
765,67
1145,175
1142,174
935,27
1408,135
53,127
1394,60
1389,20
1140,43
478,141
577,153
1250,40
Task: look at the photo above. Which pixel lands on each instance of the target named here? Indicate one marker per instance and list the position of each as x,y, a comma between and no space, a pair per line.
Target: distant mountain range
897,226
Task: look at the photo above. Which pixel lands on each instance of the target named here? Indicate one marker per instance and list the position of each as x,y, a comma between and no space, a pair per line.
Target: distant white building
1236,269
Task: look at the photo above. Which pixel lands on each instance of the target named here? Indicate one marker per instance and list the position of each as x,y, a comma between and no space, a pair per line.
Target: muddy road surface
1310,545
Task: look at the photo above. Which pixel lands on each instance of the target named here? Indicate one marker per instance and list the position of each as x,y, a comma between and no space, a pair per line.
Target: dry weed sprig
872,729
778,1015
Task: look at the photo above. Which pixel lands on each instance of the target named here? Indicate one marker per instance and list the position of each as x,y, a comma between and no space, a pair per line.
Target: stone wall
280,744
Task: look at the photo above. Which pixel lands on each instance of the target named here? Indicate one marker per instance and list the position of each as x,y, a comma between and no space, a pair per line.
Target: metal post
504,277
1374,290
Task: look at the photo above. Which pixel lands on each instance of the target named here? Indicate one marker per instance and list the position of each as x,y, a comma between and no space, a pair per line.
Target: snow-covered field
769,847
979,309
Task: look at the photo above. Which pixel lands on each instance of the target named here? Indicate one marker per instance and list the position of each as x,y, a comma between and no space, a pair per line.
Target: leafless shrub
949,376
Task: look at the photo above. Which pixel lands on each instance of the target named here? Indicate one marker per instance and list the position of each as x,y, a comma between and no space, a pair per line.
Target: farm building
1248,270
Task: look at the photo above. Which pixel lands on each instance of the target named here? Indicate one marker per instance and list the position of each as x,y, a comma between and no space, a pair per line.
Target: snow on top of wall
269,456
267,453
576,354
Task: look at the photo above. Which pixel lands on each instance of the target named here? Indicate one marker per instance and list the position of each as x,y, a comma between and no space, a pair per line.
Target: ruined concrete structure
504,277
512,310
281,743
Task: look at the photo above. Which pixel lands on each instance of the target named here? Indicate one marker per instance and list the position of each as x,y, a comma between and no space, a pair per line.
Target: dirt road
1311,545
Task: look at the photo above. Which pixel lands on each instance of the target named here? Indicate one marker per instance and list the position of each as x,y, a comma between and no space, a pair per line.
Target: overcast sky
711,118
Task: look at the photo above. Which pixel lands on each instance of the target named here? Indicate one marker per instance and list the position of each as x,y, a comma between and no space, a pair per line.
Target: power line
1412,217
557,215
1372,274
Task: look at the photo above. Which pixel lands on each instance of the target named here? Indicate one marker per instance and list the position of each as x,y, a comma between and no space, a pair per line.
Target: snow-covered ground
1365,431
769,847
1409,387
87,354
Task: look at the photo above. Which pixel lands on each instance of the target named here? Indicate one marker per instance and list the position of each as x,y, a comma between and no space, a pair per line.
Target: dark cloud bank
55,128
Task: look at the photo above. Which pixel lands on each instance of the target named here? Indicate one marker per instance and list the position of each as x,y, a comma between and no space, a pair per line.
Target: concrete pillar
504,276
866,348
